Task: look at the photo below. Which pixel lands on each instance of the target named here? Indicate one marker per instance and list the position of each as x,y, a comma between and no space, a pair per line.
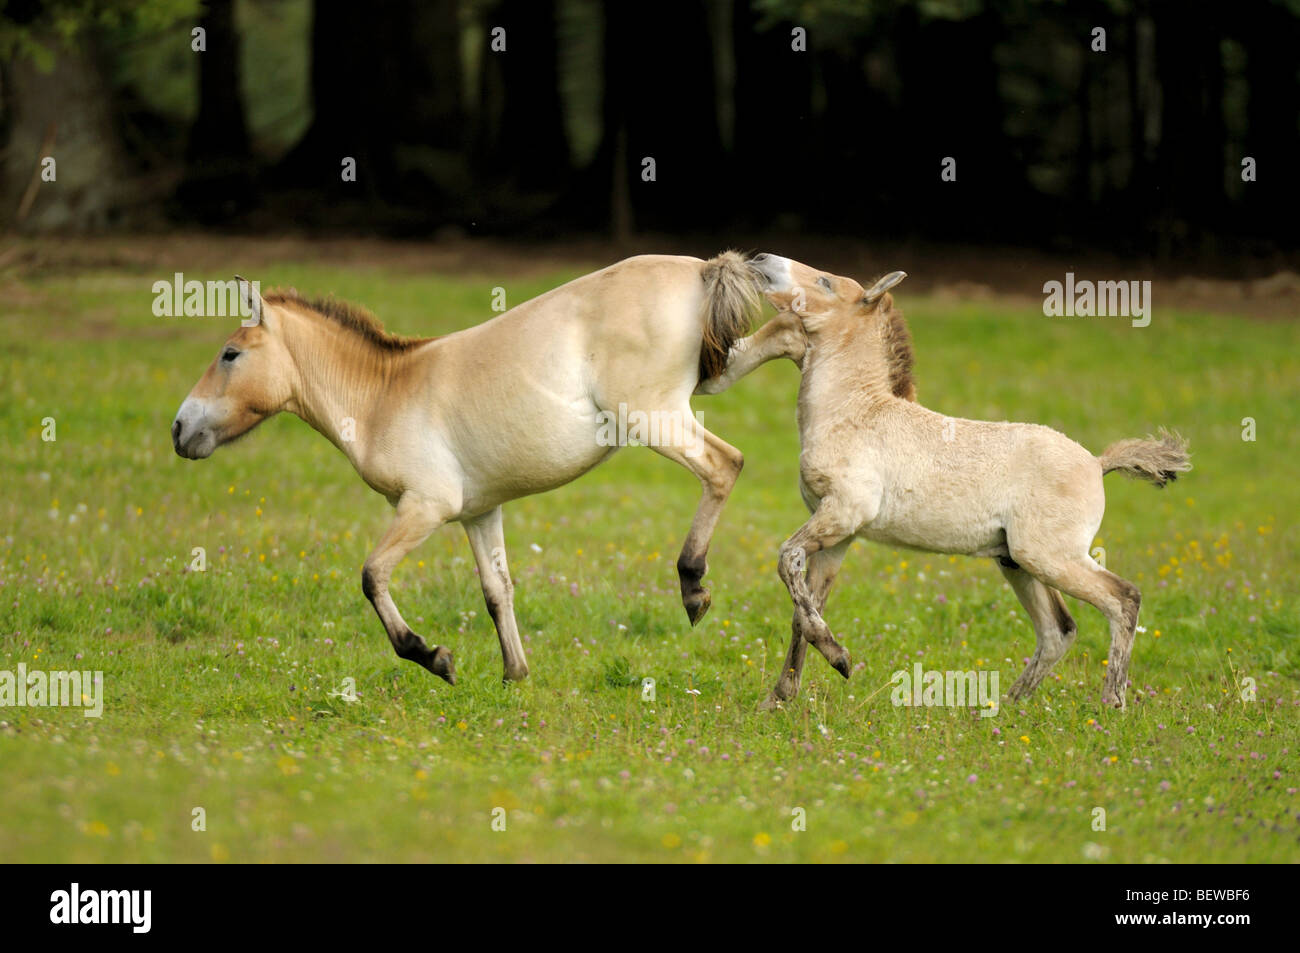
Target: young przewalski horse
875,464
451,428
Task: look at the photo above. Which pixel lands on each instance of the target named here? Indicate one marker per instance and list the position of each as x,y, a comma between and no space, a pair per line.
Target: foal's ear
878,290
250,301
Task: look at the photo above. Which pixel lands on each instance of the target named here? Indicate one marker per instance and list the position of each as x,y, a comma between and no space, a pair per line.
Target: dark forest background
827,116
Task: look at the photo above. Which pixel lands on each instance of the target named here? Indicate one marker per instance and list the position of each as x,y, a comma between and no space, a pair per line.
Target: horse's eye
229,354
824,282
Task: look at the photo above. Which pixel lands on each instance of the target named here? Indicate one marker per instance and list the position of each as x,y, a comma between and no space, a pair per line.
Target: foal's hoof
771,703
1112,692
442,665
697,605
844,664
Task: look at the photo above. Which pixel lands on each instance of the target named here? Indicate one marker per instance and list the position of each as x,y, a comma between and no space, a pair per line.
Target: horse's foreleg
717,464
415,520
822,567
826,529
487,539
780,337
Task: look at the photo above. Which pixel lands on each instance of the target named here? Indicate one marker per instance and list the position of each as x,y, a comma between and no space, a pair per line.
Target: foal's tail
731,300
1157,459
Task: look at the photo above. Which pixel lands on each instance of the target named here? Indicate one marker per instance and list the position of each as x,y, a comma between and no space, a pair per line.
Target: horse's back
631,331
520,399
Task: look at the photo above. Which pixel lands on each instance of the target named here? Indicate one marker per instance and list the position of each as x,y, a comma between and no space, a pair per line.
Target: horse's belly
511,462
948,525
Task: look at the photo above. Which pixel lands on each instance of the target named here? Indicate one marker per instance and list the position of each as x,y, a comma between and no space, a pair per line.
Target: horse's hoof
771,703
442,664
516,675
845,665
698,606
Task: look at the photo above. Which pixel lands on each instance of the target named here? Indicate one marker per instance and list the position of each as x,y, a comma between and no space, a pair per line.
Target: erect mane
897,341
351,316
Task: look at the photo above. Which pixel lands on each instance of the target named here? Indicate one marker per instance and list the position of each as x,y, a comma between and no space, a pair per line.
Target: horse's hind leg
1052,623
488,541
825,530
1117,599
717,464
415,520
822,567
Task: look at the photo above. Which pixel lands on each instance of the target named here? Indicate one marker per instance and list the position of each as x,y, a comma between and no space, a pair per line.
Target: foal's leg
1052,623
822,567
416,519
717,464
781,337
1116,598
488,541
828,528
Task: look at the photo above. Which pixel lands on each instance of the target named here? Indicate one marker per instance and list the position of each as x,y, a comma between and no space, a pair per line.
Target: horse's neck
339,381
846,369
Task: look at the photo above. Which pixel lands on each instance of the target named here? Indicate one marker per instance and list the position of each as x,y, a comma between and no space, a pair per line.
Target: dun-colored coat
451,428
875,464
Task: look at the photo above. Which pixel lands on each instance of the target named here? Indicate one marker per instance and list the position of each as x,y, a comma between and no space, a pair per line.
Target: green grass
222,687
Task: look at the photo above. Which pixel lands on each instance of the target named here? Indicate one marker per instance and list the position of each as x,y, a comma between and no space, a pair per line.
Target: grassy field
223,689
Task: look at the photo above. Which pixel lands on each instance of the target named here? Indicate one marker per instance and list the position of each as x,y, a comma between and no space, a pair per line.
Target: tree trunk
521,115
660,108
962,120
220,130
383,77
1189,155
775,139
1272,133
218,164
70,107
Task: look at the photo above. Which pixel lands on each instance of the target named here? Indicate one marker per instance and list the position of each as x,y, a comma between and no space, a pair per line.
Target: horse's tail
731,300
1157,459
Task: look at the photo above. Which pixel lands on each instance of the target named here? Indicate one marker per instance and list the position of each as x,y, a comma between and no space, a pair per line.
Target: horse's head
248,381
821,300
833,308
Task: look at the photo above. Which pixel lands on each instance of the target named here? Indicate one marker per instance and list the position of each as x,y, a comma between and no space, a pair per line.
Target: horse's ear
878,290
250,301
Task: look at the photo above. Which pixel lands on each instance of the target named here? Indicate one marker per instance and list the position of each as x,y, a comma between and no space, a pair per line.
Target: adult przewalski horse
876,464
451,428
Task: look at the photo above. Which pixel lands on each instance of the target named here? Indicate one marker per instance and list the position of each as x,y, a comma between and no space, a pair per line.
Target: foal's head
823,302
248,381
831,307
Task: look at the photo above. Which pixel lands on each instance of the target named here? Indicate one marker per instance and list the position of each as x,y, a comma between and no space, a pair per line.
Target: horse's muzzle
774,269
190,441
178,431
